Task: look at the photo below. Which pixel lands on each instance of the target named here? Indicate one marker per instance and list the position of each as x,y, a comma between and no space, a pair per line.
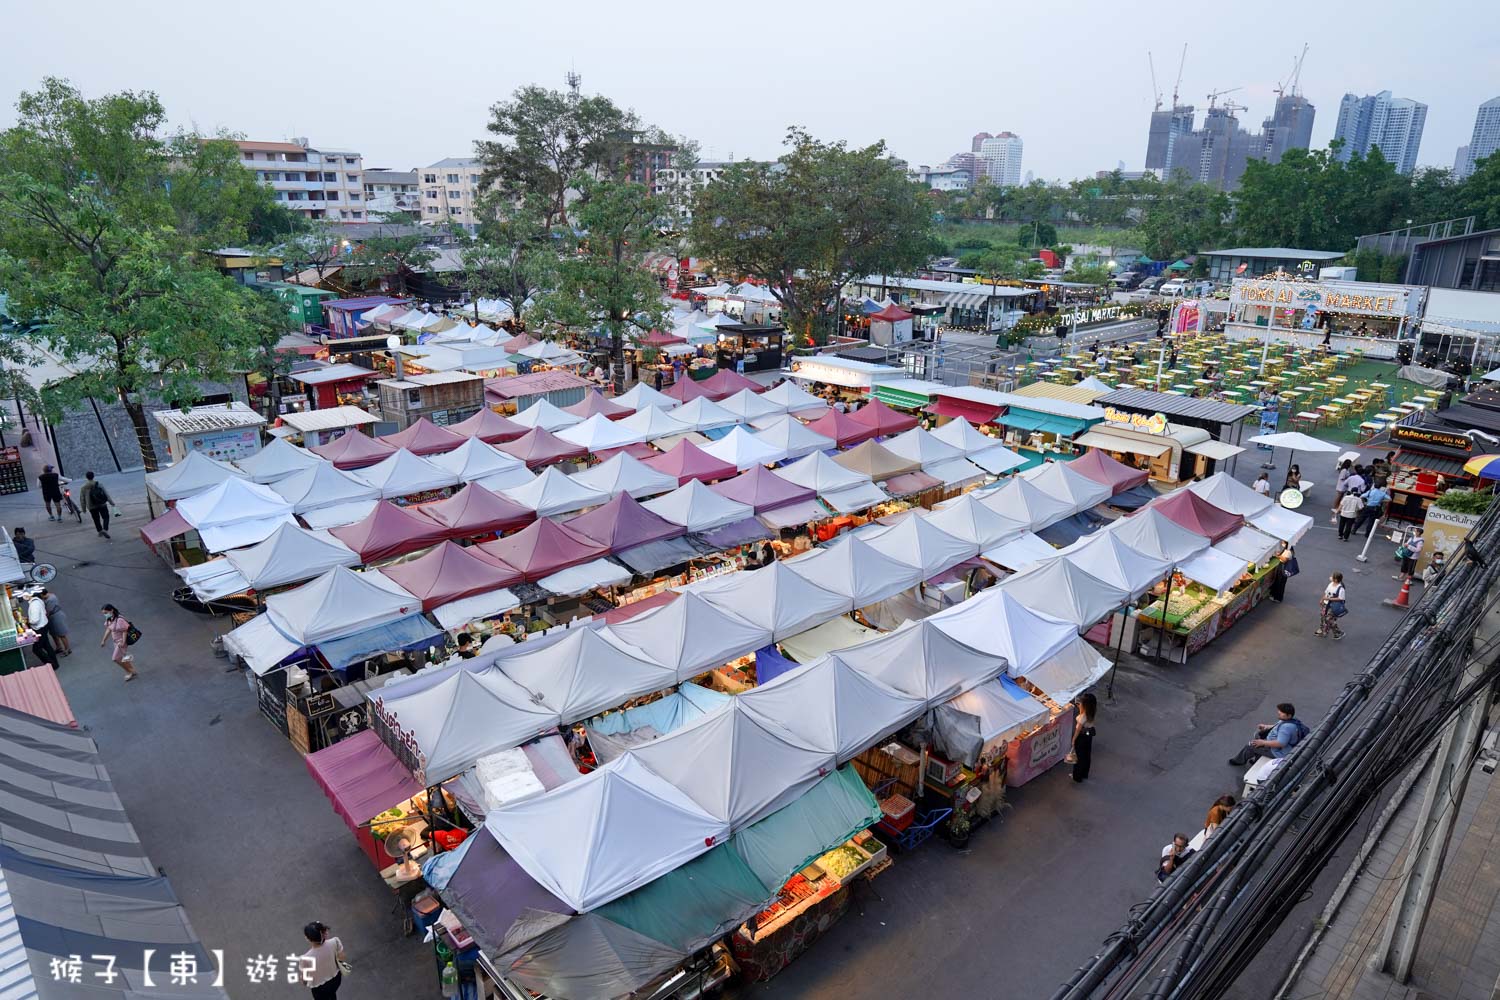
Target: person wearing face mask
117,629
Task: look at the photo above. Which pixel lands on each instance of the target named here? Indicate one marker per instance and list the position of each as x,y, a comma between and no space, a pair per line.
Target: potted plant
958,829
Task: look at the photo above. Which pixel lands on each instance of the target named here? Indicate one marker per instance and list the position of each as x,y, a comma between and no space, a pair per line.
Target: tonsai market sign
1156,423
1327,296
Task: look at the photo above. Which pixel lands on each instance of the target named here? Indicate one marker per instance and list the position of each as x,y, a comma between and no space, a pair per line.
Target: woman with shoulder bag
324,964
124,635
1334,605
1286,569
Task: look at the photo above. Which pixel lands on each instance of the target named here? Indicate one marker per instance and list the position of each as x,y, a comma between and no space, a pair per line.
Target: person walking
1288,568
51,484
1334,605
1409,552
1374,509
1349,510
96,500
57,621
323,964
117,630
36,617
1083,736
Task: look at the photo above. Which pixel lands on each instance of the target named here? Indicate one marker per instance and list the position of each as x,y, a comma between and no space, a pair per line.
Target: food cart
1195,615
755,346
1428,461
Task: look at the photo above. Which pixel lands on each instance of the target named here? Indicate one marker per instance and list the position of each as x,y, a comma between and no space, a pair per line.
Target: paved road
226,808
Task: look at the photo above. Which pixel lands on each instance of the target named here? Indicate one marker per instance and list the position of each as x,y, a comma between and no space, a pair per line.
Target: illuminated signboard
1156,423
1330,296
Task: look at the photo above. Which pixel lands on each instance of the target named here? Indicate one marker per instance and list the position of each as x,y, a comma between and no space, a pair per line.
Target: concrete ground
225,806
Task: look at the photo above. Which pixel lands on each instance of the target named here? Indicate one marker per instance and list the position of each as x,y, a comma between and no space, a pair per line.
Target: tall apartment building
392,191
1289,127
450,190
1486,138
678,186
978,141
1161,142
969,164
1000,158
1217,152
1459,159
318,183
1379,121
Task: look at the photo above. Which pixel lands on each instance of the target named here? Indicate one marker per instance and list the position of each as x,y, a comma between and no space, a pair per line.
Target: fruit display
1178,607
841,862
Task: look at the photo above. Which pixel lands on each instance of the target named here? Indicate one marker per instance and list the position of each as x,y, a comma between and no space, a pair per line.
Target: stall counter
1203,617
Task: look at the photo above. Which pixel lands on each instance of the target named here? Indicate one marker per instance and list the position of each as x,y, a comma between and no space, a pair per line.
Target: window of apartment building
453,195
293,195
352,178
357,215
296,157
432,210
354,196
452,178
351,159
429,178
432,192
330,177
474,179
331,195
455,210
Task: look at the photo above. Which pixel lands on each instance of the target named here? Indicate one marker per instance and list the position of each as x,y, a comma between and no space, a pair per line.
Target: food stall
1351,315
336,385
318,427
757,346
1428,461
1196,614
1169,453
843,378
222,431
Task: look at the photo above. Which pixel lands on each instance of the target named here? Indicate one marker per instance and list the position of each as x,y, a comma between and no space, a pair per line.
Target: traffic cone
1403,599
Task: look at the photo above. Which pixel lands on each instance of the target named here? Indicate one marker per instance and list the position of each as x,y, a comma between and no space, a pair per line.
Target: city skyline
1074,120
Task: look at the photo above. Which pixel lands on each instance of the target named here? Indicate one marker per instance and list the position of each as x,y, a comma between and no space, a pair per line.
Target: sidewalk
1459,954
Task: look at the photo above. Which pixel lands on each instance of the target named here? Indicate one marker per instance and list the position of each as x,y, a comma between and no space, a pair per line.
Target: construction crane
1297,70
1290,85
1215,95
1176,87
1155,90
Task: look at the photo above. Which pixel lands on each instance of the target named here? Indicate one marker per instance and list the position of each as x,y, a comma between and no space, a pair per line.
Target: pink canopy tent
489,427
728,381
687,389
594,402
449,573
762,489
883,420
657,338
354,450
843,428
623,523
1188,509
543,548
519,341
540,447
424,438
640,450
687,461
168,525
389,531
362,778
474,511
1097,465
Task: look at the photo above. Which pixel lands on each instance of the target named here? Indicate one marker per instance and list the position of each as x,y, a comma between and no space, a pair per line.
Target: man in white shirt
36,617
1262,485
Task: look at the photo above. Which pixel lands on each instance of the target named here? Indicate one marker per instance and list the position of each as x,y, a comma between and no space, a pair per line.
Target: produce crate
899,812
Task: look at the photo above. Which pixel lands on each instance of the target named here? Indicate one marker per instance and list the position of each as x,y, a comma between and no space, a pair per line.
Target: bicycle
39,572
70,506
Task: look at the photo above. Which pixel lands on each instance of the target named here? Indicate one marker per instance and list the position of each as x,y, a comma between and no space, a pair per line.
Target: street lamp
393,344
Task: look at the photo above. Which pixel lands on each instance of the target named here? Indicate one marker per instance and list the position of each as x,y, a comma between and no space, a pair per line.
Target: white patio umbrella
1294,441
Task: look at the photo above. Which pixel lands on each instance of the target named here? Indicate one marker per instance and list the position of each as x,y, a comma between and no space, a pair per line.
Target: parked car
1152,284
1126,279
1173,289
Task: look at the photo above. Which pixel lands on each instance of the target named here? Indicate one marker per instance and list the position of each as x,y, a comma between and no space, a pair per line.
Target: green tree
103,224
390,255
515,256
604,283
1179,218
263,317
1479,195
807,225
1089,274
320,247
546,140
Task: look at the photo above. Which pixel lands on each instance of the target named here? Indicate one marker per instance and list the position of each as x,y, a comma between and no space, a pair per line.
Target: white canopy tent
997,460
698,508
1250,545
923,661
584,577
1060,587
821,474
455,716
1056,479
262,646
702,414
593,840
832,706
547,416
855,498
456,614
793,437
834,634
194,474
916,541
1227,493
923,447
323,485
744,450
691,635
1154,533
1213,568
337,515
234,513
965,517
750,406
404,473
1001,709
1287,525
599,433
291,554
997,623
652,423
624,473
1105,556
795,399
1070,671
1019,500
774,598
641,396
474,460
553,492
506,479
277,460
583,672
339,603
738,766
850,568
1020,551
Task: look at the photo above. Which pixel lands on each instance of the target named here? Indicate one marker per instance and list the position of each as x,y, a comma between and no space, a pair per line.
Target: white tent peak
698,508
691,635
194,474
773,597
403,472
277,460
323,485
553,492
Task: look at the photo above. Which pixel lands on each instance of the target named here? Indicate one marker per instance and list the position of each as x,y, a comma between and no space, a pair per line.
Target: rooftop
270,147
1185,407
946,287
364,302
327,419
332,373
1278,253
534,383
455,161
218,417
430,378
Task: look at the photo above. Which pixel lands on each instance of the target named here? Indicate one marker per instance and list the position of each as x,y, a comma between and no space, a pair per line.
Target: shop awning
486,605
975,413
1213,568
361,777
965,300
169,525
261,645
1423,460
1217,450
412,632
1117,442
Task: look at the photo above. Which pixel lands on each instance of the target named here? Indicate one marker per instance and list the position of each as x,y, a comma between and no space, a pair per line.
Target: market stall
1429,460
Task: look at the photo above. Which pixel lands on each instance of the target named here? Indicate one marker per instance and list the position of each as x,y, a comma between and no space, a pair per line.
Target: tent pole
1109,693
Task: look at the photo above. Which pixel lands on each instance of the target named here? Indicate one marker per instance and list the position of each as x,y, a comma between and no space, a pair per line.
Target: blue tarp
1134,498
411,632
688,703
770,664
1070,529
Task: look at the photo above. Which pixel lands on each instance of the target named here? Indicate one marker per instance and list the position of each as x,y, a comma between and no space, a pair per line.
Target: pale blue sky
409,83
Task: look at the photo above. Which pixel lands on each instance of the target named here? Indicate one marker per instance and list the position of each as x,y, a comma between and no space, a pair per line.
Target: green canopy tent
1181,265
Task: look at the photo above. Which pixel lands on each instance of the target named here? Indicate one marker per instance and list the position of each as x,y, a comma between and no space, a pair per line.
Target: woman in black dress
1083,736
